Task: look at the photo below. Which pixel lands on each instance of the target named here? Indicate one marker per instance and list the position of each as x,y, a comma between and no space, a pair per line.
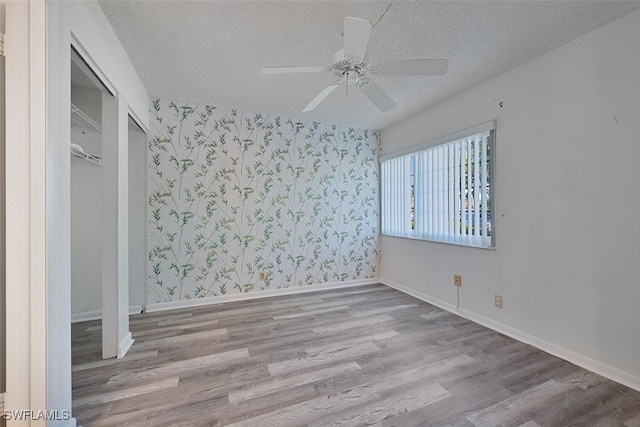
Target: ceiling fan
350,65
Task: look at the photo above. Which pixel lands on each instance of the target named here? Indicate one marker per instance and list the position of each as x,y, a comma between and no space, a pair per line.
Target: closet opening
107,214
86,194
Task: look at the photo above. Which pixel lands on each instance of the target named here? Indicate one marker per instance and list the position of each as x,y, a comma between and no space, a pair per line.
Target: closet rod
77,151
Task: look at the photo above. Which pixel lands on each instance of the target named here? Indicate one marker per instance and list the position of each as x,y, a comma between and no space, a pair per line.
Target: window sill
451,243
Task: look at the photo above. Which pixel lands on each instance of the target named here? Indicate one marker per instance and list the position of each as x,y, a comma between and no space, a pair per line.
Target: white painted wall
86,208
567,197
86,226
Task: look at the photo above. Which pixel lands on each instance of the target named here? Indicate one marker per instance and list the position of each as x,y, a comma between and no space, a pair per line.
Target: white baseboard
86,316
608,371
135,309
421,296
197,302
125,345
97,314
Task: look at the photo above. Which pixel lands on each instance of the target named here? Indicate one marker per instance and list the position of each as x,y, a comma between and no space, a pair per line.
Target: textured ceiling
212,52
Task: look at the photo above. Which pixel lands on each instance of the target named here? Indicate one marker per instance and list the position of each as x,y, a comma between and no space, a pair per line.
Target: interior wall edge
600,368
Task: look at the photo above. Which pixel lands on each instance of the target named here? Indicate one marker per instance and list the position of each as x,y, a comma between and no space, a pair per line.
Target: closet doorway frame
116,338
116,125
84,28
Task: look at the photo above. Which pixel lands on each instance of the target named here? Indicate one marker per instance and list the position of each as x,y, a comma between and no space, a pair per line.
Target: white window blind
441,192
396,196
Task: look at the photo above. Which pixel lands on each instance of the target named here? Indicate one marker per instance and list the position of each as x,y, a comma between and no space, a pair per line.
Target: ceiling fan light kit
352,69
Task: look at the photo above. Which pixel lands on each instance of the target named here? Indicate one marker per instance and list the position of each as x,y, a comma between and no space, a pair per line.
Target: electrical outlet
457,280
497,300
261,275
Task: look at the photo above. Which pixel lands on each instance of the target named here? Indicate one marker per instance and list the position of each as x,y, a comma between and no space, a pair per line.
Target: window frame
414,151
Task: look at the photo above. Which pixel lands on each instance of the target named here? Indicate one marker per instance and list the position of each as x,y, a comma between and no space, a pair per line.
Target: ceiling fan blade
356,36
416,67
321,96
287,70
379,97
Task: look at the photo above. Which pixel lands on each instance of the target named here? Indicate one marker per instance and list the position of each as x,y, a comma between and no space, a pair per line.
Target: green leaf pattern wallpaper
244,202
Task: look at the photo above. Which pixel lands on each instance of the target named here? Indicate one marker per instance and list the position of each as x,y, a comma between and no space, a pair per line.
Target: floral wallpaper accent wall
242,202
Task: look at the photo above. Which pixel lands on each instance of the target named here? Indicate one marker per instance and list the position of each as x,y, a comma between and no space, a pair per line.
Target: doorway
108,208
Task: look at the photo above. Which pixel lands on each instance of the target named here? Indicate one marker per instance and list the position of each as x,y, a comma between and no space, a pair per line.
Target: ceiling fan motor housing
352,69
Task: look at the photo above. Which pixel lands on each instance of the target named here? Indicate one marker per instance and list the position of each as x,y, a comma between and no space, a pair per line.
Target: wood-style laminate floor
366,355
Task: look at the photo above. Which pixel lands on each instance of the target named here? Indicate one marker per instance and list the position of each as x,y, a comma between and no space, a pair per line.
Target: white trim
124,346
483,127
578,359
421,296
85,62
115,223
147,209
85,316
585,362
138,121
172,305
40,290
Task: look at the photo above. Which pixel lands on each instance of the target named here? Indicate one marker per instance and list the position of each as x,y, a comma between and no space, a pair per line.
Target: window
441,190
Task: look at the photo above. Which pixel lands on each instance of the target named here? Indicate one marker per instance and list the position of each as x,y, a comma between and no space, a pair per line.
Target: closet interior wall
86,205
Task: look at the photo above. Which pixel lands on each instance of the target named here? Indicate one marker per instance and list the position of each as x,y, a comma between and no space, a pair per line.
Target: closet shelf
82,119
77,151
